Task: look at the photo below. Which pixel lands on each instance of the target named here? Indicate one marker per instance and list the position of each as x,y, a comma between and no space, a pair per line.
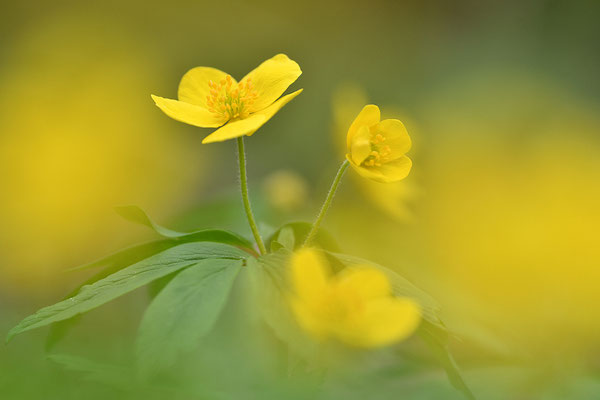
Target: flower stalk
326,204
246,198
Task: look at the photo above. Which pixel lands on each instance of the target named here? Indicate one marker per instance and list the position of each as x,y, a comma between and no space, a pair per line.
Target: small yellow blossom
355,306
392,198
210,98
376,149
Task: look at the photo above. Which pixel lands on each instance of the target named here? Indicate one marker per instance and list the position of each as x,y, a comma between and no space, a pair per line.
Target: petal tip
372,108
208,140
296,93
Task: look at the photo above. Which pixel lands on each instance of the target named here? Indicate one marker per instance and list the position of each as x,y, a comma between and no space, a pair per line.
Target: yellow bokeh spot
78,139
286,190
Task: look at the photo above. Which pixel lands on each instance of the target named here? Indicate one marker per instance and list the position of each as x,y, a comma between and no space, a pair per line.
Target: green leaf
137,215
112,375
124,258
183,312
285,239
129,255
437,341
269,282
112,263
300,231
126,280
133,254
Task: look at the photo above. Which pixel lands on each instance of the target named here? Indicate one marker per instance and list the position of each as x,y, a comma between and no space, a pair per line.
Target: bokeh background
498,219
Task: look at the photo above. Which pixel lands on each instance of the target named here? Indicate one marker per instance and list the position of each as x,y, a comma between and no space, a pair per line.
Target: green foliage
284,240
270,284
436,338
191,276
183,312
131,255
116,376
126,280
300,231
137,215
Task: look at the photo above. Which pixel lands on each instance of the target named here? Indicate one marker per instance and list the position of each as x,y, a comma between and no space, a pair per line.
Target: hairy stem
245,198
328,200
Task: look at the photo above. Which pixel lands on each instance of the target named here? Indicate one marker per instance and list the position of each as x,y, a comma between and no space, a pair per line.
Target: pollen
380,152
229,99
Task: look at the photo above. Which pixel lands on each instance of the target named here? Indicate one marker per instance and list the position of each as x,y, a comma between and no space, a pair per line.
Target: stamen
230,100
380,154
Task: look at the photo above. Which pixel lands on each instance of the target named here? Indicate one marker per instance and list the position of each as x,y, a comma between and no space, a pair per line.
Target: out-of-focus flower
210,98
355,306
286,190
376,149
391,198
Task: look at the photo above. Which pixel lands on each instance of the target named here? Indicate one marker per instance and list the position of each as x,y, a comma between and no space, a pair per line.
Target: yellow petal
235,129
309,273
248,126
389,172
270,79
361,145
193,87
367,281
396,136
188,113
369,116
386,321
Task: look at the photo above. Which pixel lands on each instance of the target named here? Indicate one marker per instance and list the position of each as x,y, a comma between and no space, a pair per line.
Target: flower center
380,152
230,100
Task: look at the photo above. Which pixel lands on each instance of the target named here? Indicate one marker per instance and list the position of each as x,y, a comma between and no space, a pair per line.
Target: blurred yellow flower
286,190
355,306
210,98
376,149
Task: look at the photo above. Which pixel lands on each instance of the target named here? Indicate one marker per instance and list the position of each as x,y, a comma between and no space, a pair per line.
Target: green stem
328,200
245,198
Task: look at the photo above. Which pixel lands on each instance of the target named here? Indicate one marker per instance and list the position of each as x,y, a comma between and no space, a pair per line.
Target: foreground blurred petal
309,274
188,113
387,321
368,282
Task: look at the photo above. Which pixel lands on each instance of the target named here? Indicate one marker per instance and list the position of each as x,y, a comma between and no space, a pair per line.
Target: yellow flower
210,98
376,149
392,198
355,306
